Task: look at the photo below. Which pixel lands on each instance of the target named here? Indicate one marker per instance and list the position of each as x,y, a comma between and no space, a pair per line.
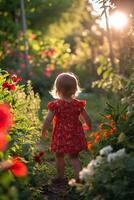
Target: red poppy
3,142
18,167
15,78
6,117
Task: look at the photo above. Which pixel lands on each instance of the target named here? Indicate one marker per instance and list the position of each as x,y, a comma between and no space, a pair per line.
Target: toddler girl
68,136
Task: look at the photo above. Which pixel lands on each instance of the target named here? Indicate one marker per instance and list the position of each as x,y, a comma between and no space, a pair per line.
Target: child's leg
60,164
76,165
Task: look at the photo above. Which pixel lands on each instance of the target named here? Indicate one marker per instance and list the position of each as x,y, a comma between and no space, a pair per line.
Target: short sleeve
52,106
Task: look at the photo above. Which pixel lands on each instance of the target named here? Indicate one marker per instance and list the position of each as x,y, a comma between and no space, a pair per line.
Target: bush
21,135
108,177
111,175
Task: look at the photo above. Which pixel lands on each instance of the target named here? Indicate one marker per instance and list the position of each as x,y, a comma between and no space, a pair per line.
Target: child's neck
68,99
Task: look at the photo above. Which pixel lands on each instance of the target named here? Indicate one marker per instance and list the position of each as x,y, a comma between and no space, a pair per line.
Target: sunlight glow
118,20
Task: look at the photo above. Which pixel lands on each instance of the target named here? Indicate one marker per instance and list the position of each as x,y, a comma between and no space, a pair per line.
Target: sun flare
118,20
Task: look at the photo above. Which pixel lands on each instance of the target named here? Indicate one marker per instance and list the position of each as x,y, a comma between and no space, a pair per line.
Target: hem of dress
68,152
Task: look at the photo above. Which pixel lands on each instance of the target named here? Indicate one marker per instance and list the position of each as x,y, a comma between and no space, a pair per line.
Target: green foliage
110,79
110,175
25,105
111,180
24,137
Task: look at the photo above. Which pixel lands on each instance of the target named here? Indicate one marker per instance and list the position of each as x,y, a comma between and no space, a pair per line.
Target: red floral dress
68,134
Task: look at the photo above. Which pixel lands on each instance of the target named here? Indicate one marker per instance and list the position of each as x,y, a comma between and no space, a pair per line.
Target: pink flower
23,65
19,71
30,74
48,72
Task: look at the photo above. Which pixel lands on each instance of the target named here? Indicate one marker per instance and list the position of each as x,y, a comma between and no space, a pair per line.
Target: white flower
92,163
85,173
113,156
120,152
72,182
106,150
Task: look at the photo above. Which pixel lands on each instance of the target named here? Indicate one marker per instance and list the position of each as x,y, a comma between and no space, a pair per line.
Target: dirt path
55,191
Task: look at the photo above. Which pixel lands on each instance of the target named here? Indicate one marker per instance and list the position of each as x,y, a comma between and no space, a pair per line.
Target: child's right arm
87,119
47,122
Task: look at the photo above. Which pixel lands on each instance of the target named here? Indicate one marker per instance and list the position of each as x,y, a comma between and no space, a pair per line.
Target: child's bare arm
47,122
87,119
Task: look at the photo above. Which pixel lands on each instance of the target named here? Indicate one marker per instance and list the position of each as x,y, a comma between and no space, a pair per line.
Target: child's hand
45,134
86,127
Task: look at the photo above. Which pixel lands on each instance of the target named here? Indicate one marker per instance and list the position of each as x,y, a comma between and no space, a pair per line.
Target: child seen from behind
68,136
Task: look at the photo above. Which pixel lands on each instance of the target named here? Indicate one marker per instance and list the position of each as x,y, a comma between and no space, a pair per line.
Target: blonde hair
66,84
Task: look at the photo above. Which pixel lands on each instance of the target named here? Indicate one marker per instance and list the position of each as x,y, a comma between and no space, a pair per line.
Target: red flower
6,117
41,153
9,86
37,159
3,142
38,156
18,167
5,85
15,78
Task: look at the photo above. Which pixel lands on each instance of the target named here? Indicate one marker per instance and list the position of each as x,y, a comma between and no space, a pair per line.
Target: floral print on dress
68,134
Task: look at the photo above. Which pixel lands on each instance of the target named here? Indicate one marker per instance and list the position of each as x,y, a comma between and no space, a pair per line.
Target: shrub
18,143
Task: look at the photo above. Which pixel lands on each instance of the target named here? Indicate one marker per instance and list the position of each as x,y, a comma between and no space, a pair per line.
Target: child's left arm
46,124
87,120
